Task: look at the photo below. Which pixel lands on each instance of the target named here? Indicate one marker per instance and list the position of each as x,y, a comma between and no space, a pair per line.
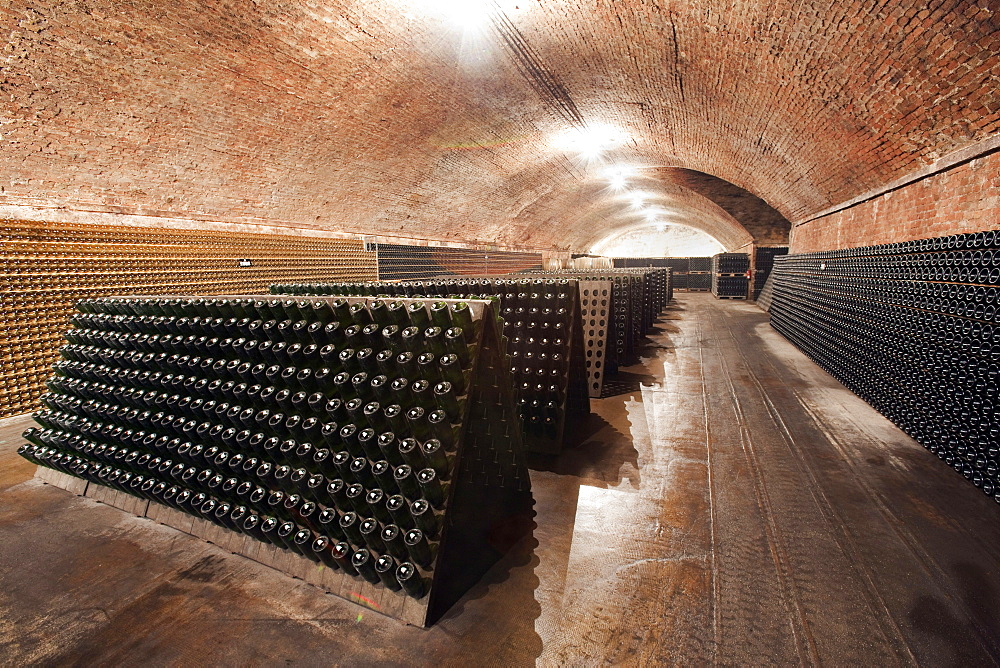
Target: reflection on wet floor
728,502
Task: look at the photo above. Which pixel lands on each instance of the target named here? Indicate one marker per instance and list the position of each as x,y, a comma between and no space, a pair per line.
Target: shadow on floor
625,382
598,452
518,606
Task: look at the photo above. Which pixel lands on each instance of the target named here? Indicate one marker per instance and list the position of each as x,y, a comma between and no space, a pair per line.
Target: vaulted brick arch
378,118
587,214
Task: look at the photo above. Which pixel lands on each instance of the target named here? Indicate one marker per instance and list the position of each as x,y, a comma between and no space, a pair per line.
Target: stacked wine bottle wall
763,264
541,329
687,273
401,262
48,266
729,279
276,418
912,328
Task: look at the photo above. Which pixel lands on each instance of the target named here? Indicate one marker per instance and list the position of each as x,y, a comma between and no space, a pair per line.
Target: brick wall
965,198
367,117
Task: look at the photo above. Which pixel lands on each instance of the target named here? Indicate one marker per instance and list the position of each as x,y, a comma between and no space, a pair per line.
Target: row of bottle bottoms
388,342
544,326
515,293
292,390
375,311
394,563
198,418
350,368
385,458
312,350
360,420
378,489
966,301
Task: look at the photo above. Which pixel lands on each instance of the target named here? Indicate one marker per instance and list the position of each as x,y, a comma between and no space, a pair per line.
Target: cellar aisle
730,503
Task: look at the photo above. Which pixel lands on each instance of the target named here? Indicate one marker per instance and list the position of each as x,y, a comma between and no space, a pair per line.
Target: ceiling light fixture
590,142
464,14
637,199
618,176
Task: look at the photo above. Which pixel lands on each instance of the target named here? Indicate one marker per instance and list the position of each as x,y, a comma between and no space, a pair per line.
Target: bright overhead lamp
637,199
591,141
464,14
618,176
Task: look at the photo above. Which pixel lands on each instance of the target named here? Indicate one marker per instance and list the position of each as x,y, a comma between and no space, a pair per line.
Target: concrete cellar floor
731,504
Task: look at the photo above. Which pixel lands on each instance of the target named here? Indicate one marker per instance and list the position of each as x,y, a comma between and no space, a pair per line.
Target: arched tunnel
623,332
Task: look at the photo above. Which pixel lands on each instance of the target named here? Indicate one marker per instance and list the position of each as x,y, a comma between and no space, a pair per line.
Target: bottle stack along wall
912,328
763,265
48,266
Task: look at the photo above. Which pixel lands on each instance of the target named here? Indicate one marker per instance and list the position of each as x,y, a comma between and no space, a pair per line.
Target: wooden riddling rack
613,326
543,338
111,424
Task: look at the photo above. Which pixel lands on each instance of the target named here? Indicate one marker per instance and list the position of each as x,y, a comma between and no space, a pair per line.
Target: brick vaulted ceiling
383,117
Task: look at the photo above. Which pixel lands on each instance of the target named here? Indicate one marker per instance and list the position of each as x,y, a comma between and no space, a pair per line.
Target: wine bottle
364,563
423,517
350,524
406,480
342,553
321,549
385,567
418,547
303,540
431,487
372,533
411,581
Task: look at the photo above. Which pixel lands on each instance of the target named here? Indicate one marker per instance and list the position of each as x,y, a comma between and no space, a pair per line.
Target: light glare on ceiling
464,14
637,199
618,176
653,215
590,142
